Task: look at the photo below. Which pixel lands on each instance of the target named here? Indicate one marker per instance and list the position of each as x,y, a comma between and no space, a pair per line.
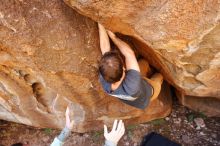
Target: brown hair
111,67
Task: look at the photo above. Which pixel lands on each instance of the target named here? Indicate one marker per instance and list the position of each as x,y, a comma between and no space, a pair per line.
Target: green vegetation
158,122
130,129
48,131
130,134
192,116
202,115
96,135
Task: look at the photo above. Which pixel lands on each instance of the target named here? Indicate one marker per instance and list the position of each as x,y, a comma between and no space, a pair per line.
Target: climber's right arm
104,40
130,58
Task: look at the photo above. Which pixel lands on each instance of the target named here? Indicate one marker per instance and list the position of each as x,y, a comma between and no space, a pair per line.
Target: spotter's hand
69,124
117,132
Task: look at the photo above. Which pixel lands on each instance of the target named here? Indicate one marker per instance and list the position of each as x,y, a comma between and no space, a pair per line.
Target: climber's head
111,67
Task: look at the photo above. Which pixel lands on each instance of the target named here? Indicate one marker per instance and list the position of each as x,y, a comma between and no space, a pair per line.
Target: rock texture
48,59
206,105
181,38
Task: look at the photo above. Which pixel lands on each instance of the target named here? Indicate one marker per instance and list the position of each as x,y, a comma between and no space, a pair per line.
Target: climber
111,138
125,81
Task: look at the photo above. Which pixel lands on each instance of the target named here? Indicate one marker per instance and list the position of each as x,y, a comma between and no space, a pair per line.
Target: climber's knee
157,77
155,81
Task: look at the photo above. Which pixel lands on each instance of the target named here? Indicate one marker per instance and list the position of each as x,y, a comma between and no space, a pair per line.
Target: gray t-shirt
133,90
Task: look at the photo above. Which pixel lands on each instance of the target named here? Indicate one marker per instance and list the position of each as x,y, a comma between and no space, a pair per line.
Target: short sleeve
105,85
132,82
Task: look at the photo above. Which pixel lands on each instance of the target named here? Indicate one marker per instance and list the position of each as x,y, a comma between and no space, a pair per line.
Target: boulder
48,60
206,105
179,38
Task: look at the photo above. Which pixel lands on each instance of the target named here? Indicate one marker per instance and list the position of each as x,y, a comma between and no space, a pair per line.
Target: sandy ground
179,126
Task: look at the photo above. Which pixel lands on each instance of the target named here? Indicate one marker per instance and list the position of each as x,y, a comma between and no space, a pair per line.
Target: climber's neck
115,85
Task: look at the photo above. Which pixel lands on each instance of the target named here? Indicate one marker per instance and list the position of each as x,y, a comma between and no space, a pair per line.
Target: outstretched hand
69,123
117,132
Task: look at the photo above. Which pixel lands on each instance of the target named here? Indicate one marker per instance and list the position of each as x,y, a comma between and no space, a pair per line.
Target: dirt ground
179,126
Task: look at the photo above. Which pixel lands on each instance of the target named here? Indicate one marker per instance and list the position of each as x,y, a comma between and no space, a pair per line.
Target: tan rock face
48,59
184,35
180,38
206,105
